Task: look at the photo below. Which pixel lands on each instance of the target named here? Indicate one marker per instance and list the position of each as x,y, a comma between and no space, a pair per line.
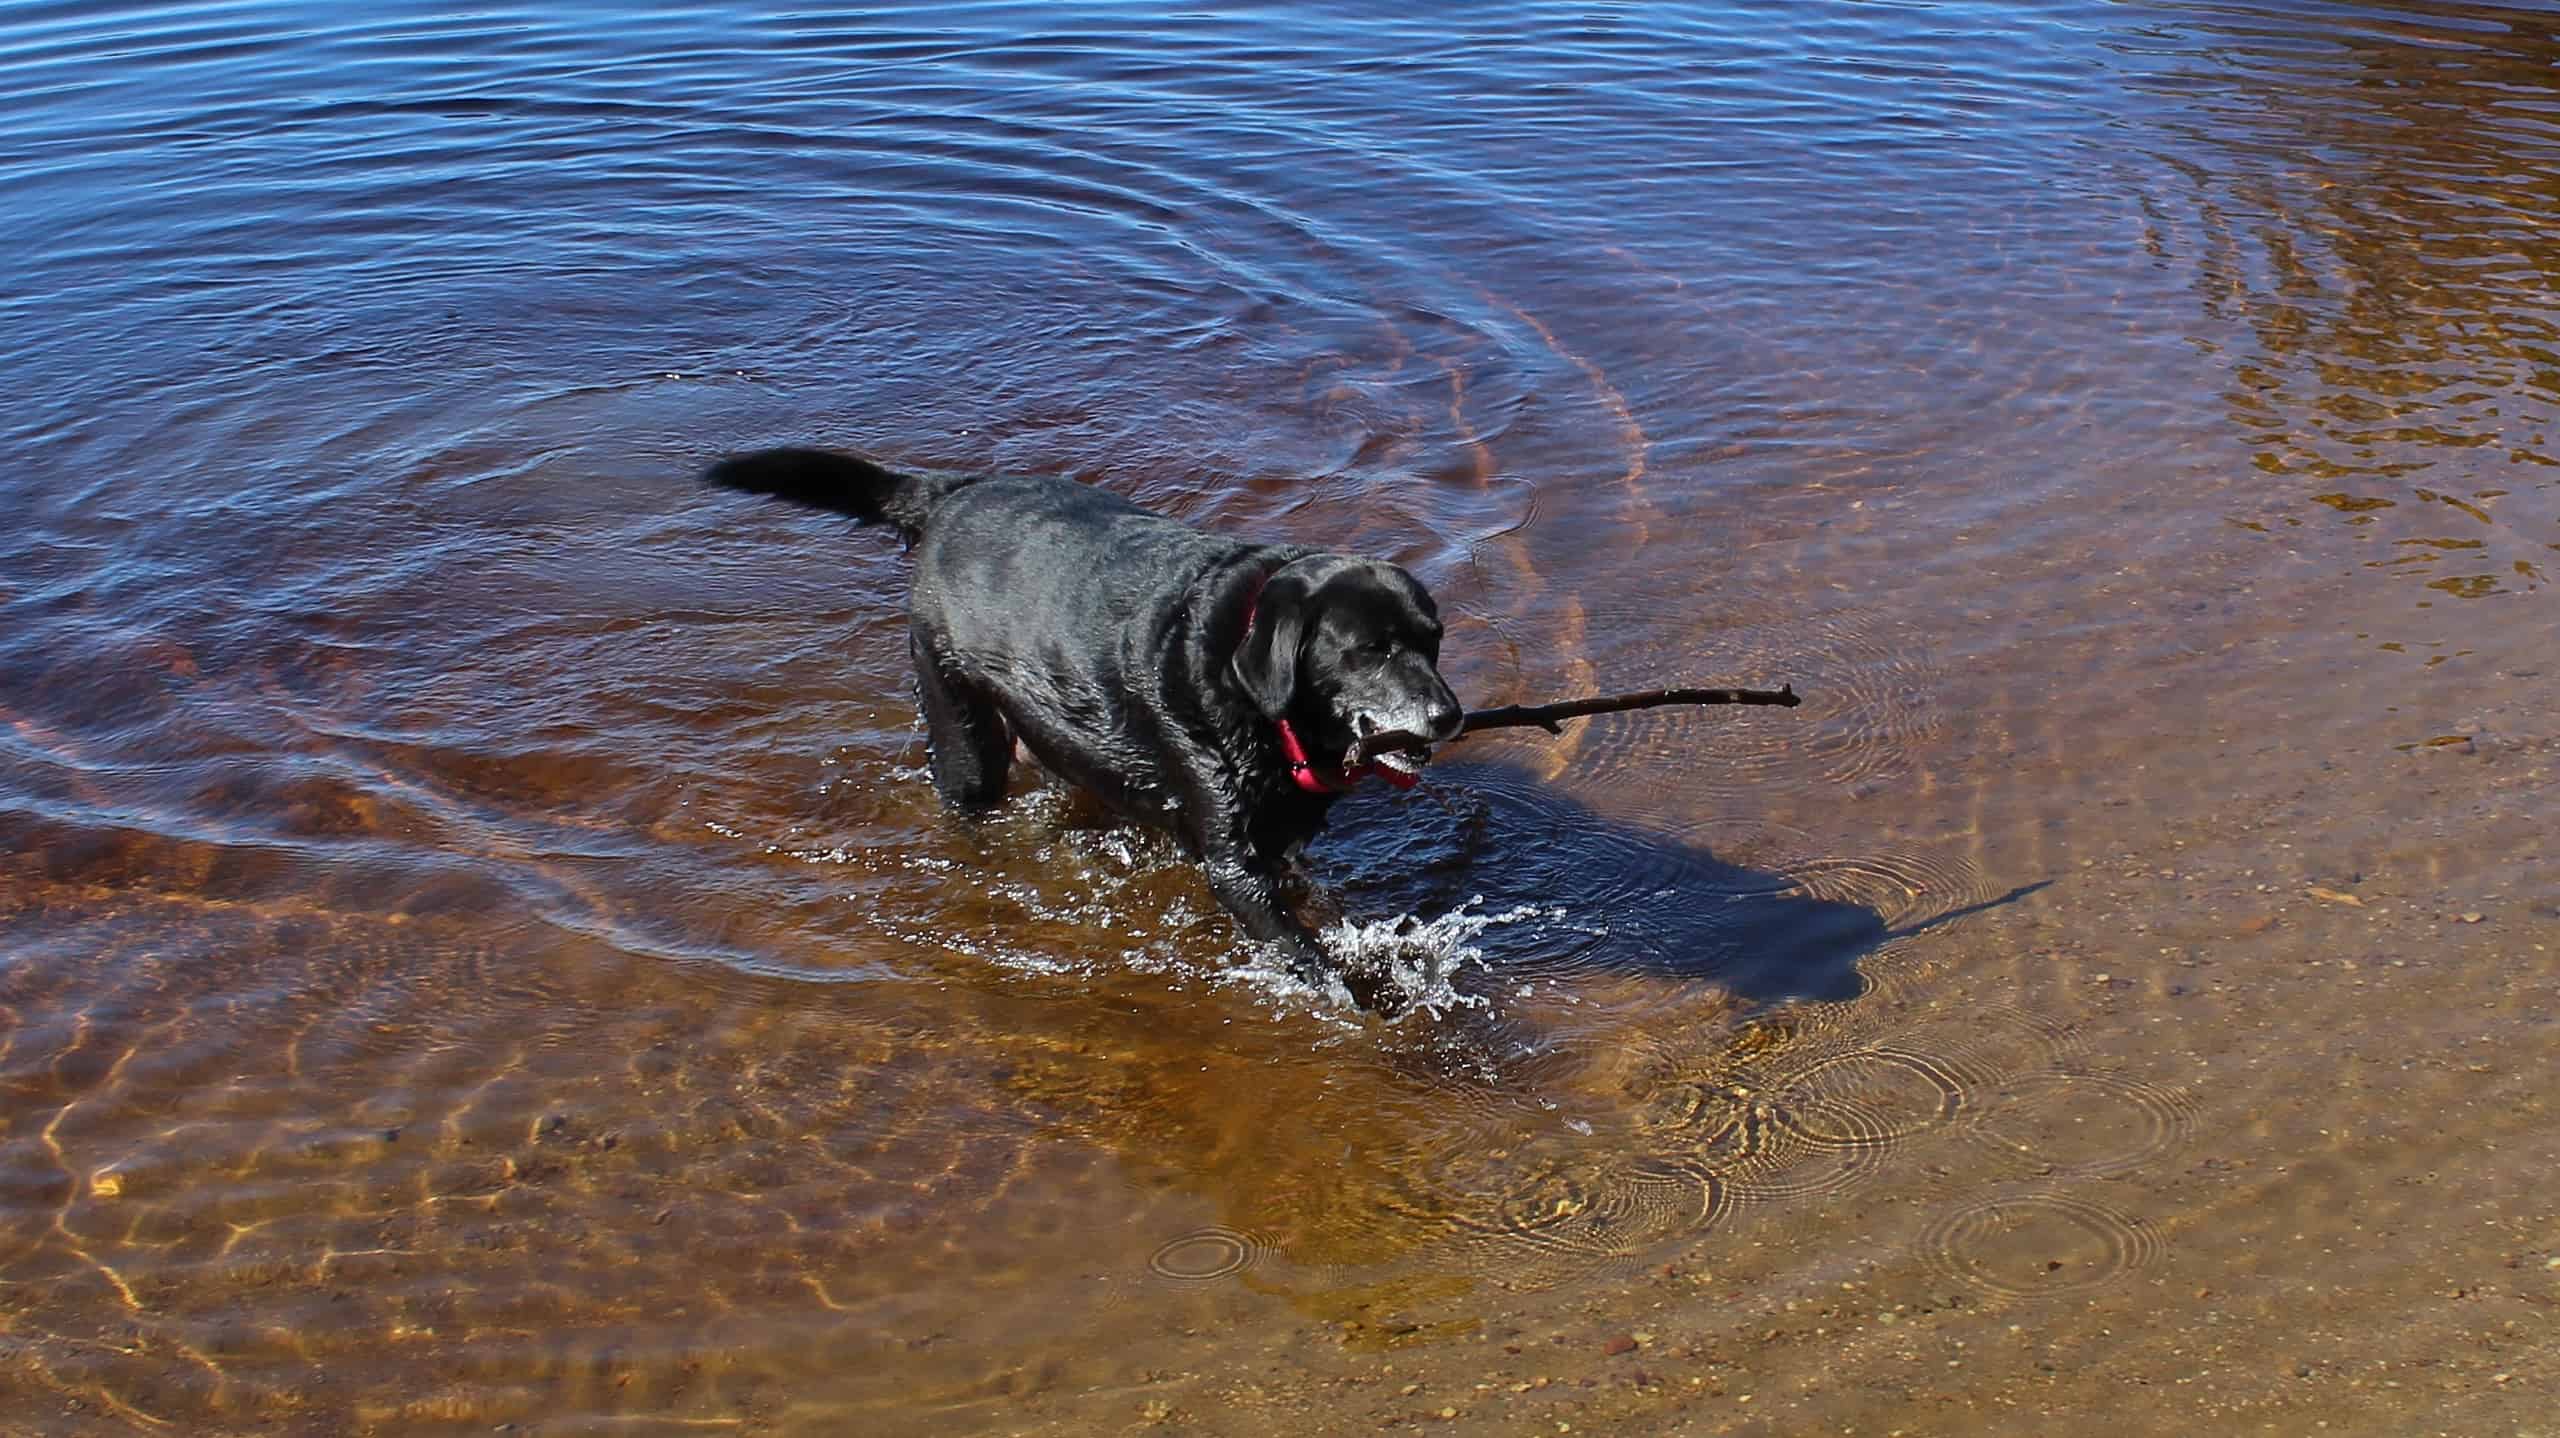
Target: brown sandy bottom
2217,1099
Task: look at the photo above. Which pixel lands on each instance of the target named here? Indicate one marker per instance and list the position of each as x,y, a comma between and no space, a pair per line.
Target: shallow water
477,948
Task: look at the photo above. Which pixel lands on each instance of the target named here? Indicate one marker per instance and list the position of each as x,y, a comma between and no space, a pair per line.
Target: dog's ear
1266,663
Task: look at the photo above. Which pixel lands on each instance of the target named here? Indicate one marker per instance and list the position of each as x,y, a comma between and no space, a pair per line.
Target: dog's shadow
1576,892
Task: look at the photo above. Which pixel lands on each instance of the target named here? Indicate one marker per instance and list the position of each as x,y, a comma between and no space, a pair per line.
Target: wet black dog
1225,691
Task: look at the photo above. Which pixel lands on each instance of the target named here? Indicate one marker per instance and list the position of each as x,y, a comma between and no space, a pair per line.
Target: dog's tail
844,483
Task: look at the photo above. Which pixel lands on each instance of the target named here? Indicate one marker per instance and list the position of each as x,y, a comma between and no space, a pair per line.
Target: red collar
1301,768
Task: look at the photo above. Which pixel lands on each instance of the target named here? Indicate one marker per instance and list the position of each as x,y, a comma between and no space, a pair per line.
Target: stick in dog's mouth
1407,759
1402,752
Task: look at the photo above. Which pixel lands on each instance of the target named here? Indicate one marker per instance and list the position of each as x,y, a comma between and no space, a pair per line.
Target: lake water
478,952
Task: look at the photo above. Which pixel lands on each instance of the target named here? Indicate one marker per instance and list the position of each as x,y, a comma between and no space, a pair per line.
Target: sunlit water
477,946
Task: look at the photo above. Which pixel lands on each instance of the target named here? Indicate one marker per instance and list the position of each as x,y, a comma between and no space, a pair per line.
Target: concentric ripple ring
1205,1255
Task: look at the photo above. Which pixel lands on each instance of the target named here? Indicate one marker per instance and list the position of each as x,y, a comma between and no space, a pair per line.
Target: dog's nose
1445,718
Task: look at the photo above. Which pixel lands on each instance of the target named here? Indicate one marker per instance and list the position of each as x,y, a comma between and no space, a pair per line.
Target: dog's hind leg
965,735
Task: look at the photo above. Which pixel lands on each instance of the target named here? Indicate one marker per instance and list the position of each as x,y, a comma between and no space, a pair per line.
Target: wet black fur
1112,641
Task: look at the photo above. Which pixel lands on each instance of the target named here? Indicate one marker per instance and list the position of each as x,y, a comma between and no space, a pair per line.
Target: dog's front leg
1252,892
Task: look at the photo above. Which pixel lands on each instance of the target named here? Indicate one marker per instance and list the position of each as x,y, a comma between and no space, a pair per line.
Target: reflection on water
2370,214
476,946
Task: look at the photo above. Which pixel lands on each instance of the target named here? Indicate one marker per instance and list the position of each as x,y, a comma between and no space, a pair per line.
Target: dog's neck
1302,769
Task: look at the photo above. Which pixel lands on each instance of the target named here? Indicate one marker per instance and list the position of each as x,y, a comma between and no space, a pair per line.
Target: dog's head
1348,650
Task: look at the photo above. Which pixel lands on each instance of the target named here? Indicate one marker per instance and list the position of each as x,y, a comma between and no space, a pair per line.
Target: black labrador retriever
1225,691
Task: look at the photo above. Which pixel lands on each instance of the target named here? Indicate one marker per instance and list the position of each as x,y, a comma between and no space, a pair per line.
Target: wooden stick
1546,716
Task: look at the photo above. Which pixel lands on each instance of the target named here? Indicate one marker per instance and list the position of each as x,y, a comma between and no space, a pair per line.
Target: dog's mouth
1391,749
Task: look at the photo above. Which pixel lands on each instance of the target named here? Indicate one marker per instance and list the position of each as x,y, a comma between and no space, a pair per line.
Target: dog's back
1046,575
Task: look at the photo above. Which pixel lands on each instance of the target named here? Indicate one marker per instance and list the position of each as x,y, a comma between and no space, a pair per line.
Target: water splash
1421,958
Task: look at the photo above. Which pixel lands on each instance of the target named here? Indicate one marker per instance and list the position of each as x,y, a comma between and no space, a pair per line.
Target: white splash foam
1423,958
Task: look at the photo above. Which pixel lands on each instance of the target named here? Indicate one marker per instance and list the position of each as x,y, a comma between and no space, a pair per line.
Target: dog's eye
1371,651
